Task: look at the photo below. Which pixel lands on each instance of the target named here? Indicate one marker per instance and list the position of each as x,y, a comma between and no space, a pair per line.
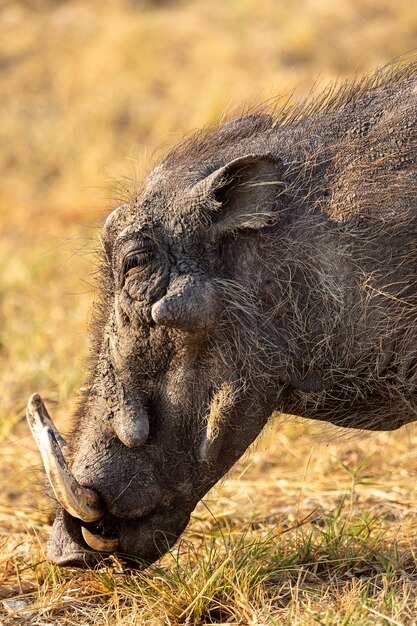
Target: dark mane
208,143
338,95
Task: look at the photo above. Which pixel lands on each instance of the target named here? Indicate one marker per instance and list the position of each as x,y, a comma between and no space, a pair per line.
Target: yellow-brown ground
301,532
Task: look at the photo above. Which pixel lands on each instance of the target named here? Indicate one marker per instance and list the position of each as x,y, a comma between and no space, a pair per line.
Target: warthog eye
134,262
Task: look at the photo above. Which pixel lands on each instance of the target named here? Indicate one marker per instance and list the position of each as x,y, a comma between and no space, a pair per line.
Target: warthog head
168,408
262,267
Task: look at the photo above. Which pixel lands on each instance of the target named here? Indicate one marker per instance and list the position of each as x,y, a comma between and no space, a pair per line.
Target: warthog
268,265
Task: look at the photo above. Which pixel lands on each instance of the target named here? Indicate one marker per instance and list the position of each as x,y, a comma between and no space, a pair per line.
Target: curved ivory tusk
78,501
39,418
99,543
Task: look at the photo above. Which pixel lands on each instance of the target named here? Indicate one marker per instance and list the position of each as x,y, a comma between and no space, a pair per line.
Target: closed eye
134,262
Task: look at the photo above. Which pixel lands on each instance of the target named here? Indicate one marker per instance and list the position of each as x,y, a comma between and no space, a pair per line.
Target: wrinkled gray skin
267,266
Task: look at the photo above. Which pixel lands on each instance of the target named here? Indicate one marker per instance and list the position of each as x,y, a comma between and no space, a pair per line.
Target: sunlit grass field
312,526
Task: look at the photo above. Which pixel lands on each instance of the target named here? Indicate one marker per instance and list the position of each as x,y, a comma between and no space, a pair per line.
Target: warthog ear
242,194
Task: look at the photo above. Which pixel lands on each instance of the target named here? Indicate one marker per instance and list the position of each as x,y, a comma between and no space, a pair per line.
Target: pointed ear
242,194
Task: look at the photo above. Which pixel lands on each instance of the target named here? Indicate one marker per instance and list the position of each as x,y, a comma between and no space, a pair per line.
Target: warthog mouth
72,543
101,536
84,532
137,542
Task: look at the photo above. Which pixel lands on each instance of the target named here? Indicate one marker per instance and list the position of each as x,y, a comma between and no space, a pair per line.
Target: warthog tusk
39,418
99,543
78,501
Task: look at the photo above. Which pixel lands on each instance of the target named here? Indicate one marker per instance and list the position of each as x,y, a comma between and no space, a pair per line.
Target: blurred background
92,93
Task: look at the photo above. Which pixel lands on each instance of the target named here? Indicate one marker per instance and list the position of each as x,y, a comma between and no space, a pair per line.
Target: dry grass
295,535
300,532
